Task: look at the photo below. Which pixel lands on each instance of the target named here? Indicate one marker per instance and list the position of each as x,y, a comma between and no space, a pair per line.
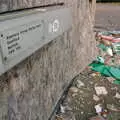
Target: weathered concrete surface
35,85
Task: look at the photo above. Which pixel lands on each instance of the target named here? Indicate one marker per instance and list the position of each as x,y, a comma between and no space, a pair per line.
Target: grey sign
23,34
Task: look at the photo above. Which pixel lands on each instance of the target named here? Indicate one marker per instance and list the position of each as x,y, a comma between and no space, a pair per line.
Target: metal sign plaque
22,35
20,38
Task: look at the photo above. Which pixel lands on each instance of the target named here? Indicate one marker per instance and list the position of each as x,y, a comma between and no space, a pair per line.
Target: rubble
80,84
73,90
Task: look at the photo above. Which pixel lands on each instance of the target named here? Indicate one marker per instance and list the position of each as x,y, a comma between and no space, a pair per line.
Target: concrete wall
30,90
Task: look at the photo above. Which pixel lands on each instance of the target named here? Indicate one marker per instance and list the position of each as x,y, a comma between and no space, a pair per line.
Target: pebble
73,90
96,98
110,79
82,112
80,84
96,74
62,109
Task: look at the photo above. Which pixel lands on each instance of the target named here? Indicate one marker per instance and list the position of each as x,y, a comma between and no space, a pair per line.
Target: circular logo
54,27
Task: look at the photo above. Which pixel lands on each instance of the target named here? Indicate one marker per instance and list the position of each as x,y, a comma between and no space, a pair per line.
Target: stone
79,84
73,90
62,109
96,98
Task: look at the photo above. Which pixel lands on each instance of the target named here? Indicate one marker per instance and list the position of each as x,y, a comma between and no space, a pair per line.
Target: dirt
82,96
80,105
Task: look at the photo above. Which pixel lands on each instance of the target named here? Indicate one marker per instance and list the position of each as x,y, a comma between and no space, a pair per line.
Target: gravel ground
82,98
84,94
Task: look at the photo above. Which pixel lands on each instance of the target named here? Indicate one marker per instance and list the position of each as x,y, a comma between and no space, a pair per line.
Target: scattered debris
90,89
107,71
100,90
113,108
102,113
73,90
100,59
58,117
80,84
96,74
97,118
108,64
96,98
62,109
98,109
110,79
82,112
117,95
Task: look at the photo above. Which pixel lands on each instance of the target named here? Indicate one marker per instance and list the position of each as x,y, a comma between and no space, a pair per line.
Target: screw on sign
1,35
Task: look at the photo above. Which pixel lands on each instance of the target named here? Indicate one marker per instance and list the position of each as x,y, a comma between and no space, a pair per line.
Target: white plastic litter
109,52
98,108
117,95
101,90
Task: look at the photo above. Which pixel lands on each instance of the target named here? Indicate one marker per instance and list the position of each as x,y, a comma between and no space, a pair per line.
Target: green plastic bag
106,70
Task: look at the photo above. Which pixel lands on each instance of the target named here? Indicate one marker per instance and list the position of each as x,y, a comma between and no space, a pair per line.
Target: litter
100,90
109,47
62,109
109,51
98,109
113,36
113,108
110,38
116,48
96,74
100,59
117,95
80,84
110,79
107,71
